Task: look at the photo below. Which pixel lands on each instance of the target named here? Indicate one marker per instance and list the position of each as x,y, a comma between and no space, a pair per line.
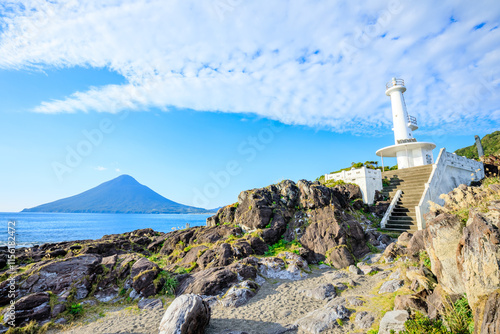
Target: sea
35,228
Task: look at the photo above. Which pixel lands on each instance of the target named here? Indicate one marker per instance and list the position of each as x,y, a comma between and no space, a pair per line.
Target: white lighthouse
407,150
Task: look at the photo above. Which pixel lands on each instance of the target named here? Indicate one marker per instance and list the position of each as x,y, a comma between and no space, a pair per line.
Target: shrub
282,246
170,283
424,258
458,316
456,319
76,309
419,323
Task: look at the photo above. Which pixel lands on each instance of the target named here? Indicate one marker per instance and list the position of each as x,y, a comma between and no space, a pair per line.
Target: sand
277,305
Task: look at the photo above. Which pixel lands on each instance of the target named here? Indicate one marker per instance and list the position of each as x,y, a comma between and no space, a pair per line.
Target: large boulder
479,266
442,236
188,314
479,258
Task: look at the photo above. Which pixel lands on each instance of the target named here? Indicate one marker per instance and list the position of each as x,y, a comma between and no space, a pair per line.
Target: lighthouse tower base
409,155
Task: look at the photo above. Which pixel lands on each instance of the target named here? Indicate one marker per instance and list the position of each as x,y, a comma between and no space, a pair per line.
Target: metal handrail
394,82
412,120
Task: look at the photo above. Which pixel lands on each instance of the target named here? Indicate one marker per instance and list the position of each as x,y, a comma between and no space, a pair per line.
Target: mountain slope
120,195
491,146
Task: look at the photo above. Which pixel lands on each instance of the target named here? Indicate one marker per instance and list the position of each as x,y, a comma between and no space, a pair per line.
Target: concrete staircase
411,181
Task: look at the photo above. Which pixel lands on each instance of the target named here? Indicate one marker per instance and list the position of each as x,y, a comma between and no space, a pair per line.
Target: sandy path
277,304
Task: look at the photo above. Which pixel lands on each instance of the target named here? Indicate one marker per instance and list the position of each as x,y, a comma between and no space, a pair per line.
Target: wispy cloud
302,62
100,168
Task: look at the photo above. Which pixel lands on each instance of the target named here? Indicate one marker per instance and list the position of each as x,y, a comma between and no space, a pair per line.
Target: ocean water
34,228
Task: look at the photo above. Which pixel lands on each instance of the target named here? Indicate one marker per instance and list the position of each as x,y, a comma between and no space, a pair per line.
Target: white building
367,179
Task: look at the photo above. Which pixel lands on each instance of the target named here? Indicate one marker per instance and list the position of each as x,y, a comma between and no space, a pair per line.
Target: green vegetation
76,309
372,248
419,323
170,283
491,180
456,319
283,246
340,322
424,258
491,146
31,328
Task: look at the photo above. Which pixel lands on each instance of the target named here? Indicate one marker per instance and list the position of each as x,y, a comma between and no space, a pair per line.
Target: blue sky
202,101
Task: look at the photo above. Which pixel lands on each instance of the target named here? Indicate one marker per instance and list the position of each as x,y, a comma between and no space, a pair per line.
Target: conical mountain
120,195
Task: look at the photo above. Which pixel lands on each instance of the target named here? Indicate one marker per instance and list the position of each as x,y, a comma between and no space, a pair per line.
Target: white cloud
100,168
317,63
117,170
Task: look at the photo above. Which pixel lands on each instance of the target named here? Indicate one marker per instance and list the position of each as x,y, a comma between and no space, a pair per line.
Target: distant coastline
37,228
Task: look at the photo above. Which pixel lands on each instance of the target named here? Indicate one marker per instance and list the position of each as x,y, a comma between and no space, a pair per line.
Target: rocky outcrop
441,239
309,212
31,307
479,257
334,237
188,314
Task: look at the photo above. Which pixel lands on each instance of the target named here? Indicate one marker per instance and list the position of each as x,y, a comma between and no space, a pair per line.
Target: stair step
401,219
396,229
404,214
404,209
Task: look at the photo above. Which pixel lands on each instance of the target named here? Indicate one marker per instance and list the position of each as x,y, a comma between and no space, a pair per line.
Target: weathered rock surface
391,286
150,304
393,320
364,320
410,303
442,235
322,319
290,267
31,307
239,294
188,314
321,292
479,258
423,276
487,315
